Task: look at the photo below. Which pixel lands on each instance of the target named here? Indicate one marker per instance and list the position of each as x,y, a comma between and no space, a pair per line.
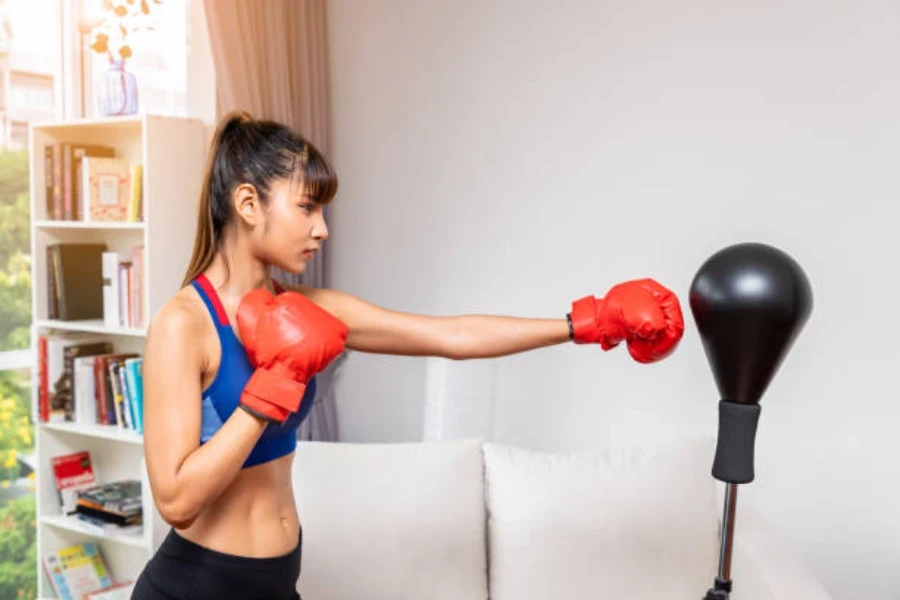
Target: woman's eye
307,206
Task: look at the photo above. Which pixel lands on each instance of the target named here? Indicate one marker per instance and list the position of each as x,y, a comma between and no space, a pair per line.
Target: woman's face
291,227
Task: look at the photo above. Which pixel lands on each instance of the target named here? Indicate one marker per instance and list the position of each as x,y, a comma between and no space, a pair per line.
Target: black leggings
181,570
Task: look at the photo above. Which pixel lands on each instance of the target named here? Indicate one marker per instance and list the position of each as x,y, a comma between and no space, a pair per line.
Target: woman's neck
234,275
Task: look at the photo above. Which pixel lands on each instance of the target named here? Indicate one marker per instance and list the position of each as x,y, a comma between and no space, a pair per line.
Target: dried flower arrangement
121,19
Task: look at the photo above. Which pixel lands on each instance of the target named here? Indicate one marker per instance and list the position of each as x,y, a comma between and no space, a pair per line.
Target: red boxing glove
288,338
641,312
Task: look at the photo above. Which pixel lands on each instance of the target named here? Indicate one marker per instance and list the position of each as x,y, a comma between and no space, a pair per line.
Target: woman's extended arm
376,329
185,476
641,312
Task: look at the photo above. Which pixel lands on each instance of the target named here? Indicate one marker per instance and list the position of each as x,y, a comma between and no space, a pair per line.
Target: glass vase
117,91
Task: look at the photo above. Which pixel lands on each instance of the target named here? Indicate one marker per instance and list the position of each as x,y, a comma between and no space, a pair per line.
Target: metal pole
722,587
727,532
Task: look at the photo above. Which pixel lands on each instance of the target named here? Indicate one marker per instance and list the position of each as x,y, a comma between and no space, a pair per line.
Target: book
135,198
100,526
64,386
85,395
73,197
134,379
77,570
62,177
71,473
53,373
106,189
109,412
77,280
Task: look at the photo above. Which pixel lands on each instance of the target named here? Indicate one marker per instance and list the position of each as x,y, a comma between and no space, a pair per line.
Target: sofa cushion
396,521
633,523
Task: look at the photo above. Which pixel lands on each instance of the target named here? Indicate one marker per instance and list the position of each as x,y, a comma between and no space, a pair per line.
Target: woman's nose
320,228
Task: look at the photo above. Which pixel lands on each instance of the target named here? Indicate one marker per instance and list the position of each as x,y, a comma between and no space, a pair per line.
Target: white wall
504,157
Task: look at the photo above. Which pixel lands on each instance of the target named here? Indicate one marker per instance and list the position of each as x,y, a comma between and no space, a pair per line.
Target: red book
72,472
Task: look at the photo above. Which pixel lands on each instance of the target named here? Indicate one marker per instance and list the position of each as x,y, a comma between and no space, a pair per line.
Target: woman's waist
255,516
261,534
181,545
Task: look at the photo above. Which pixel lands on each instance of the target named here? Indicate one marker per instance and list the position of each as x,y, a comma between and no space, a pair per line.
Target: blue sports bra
222,396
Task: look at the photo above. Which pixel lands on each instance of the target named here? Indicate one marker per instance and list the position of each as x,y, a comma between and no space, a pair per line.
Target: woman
221,477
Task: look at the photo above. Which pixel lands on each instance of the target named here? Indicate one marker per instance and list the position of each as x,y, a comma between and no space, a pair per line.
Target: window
30,35
48,71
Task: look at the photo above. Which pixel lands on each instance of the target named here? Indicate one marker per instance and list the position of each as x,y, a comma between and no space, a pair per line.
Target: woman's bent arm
185,476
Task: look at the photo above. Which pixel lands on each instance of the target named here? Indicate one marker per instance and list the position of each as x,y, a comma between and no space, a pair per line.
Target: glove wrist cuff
581,320
274,415
276,389
588,324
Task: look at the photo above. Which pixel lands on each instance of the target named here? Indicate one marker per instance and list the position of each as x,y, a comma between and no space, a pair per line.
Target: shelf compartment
90,326
106,432
48,224
71,523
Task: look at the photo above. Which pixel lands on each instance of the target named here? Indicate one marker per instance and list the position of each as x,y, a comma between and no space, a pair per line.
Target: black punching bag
750,302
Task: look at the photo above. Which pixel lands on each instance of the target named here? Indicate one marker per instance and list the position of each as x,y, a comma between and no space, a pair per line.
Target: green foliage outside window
18,560
15,250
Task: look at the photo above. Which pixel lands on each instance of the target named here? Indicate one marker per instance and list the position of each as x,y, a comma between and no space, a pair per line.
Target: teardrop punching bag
749,302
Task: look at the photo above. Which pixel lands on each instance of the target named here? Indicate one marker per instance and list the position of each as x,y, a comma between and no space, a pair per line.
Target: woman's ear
247,205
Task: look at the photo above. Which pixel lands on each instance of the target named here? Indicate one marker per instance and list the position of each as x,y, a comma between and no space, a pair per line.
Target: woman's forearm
488,336
211,468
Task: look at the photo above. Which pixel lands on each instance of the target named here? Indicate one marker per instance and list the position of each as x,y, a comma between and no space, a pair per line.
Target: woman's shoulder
322,296
181,317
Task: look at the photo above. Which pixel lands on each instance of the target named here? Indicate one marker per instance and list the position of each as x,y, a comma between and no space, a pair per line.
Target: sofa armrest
763,567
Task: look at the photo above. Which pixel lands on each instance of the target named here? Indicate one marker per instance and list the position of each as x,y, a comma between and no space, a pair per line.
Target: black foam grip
736,443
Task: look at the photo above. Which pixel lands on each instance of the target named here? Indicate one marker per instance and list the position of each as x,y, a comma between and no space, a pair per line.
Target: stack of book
123,277
111,508
82,378
88,182
88,281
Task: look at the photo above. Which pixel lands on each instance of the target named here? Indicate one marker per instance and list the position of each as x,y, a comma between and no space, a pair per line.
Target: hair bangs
314,176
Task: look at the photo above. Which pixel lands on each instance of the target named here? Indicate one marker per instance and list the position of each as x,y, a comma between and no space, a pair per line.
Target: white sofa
466,520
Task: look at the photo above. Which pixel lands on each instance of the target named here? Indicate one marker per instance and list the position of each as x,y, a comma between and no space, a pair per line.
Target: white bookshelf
172,151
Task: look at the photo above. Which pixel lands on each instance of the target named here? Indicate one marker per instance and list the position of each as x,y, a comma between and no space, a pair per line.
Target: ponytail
209,231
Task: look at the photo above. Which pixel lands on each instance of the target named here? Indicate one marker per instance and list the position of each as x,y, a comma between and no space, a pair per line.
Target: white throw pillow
637,523
399,521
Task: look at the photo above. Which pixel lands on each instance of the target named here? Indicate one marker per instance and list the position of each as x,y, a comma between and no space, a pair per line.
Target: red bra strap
213,298
216,303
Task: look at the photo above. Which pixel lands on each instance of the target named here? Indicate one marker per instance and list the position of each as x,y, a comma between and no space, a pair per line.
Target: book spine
111,289
43,399
57,183
100,390
52,301
59,291
48,180
68,213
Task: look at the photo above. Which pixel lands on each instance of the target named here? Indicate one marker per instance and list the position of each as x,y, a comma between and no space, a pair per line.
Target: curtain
271,59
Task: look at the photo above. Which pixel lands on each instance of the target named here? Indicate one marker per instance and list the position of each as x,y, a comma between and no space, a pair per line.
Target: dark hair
258,152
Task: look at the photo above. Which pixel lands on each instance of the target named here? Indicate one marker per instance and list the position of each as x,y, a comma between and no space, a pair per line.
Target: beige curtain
271,59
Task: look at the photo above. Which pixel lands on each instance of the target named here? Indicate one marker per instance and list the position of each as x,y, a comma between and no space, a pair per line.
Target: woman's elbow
179,512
